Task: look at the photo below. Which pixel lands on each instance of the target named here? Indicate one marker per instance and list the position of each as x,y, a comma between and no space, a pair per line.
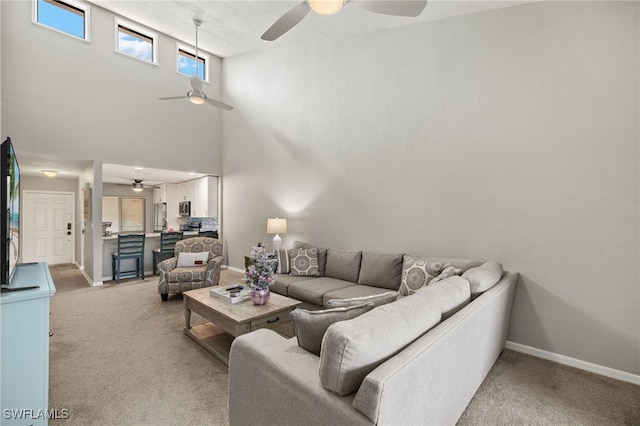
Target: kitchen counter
151,235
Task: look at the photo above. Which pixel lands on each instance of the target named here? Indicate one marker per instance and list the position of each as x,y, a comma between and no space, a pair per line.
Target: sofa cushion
304,262
461,263
353,291
418,272
352,349
281,282
313,290
192,259
452,294
282,259
322,254
483,277
376,299
343,264
381,270
311,325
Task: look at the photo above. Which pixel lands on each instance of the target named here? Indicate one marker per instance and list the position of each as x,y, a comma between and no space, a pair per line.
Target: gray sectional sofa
417,360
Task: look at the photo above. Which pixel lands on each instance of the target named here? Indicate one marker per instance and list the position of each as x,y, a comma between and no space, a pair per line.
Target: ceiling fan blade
172,97
287,21
397,7
196,83
218,104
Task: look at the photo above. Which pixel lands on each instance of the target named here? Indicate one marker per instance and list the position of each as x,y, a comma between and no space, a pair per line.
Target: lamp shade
276,226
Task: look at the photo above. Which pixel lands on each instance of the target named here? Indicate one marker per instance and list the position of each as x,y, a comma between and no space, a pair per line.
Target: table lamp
276,226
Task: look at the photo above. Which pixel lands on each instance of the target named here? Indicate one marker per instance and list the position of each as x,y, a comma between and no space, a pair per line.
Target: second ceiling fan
296,14
196,95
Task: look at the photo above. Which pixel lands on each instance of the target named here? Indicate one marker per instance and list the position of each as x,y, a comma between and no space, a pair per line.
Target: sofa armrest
212,276
272,381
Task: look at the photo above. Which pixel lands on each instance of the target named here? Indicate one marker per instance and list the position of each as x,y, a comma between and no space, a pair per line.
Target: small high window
68,16
187,62
135,41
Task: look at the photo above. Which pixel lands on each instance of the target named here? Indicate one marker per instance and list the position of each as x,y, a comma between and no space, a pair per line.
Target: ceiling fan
329,7
196,95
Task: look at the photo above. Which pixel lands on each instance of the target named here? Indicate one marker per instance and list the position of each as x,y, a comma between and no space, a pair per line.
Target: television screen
10,209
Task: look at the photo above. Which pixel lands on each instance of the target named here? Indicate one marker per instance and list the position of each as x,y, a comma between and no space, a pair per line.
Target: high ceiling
234,27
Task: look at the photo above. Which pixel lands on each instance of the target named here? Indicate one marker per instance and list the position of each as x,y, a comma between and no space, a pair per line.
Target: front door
48,227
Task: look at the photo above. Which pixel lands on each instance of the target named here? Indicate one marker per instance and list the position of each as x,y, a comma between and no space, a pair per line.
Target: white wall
510,134
64,97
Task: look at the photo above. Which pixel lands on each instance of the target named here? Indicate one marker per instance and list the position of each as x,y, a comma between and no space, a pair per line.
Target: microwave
184,208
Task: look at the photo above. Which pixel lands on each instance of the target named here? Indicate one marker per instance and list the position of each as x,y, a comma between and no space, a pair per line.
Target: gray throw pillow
282,257
376,299
311,325
304,262
322,254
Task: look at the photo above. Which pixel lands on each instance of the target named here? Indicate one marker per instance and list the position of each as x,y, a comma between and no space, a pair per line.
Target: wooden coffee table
228,321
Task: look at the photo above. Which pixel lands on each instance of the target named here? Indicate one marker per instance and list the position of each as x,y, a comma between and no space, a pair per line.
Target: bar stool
130,246
168,242
211,234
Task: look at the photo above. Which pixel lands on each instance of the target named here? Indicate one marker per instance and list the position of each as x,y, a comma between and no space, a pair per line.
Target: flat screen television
9,211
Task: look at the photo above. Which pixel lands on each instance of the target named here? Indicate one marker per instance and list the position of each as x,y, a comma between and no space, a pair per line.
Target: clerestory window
135,41
68,16
187,62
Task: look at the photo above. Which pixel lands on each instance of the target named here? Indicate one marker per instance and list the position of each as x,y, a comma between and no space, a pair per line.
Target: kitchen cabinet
203,194
160,193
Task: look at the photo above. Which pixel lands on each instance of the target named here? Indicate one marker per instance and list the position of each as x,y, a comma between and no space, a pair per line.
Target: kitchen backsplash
208,223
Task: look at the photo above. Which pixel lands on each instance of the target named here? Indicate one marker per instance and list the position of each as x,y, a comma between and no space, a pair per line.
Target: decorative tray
231,294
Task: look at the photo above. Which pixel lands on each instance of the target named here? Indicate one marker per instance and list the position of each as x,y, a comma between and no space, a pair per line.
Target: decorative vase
259,296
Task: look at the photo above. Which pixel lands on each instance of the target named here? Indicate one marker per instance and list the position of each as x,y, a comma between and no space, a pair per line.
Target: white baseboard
231,268
576,363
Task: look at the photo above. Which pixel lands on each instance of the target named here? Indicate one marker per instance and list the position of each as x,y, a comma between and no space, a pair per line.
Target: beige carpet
119,357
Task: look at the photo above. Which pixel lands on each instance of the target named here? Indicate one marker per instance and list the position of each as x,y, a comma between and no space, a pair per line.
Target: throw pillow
483,277
304,262
418,272
186,260
322,254
283,261
376,299
447,271
311,325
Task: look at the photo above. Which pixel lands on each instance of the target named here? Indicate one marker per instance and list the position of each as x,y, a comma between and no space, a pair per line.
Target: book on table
231,294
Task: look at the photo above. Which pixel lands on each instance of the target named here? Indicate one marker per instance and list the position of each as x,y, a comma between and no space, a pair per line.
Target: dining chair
168,242
130,246
211,234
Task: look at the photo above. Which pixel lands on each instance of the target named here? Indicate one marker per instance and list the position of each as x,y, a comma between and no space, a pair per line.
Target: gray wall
114,190
510,134
48,184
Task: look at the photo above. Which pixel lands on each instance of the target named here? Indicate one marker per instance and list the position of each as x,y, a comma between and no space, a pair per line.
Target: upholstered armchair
196,264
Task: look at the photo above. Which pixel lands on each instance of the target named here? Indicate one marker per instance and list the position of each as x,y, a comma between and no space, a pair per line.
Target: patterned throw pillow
304,262
417,273
283,261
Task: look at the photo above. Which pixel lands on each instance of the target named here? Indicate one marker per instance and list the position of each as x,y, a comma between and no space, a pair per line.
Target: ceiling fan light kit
408,8
137,185
326,7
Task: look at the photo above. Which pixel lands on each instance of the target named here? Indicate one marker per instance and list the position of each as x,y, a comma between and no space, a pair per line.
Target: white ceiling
234,27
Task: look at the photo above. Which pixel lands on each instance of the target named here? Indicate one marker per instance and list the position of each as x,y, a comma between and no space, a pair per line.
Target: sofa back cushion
381,270
452,294
322,254
343,264
483,277
352,349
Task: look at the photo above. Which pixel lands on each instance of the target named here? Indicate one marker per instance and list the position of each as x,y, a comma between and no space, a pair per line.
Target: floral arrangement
259,275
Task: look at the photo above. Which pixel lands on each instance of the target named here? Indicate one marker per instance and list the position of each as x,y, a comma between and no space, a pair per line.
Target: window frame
85,8
191,50
140,30
120,198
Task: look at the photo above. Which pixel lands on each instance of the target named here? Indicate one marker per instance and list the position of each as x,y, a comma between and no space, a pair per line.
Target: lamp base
277,243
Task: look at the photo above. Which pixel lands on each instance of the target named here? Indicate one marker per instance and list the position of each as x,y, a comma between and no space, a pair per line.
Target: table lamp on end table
276,226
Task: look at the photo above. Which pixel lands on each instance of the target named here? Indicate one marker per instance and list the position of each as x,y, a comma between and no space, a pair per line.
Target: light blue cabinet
24,347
